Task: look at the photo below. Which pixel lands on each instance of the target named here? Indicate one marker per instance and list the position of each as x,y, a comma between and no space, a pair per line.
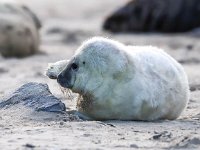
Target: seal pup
122,82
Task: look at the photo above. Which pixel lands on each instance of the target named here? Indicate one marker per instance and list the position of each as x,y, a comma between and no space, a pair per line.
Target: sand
66,24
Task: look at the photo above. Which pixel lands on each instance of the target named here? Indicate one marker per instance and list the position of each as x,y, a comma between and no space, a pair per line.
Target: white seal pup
123,82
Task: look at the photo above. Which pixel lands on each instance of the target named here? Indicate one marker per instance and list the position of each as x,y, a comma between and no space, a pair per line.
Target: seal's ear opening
33,16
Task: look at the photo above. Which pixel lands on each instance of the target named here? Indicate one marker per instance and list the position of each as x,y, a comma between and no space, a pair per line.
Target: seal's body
125,82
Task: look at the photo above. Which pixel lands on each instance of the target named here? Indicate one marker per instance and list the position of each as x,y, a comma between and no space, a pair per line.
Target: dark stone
189,61
164,136
155,137
29,146
155,15
194,87
9,27
187,143
36,96
189,47
3,70
134,146
55,30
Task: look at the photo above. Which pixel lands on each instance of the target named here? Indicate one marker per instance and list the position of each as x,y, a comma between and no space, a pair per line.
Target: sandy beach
66,24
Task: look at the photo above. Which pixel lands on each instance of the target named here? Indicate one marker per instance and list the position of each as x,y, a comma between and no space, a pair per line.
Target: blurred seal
19,30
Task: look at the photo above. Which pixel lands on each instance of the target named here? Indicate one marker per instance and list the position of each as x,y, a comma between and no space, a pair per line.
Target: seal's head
93,65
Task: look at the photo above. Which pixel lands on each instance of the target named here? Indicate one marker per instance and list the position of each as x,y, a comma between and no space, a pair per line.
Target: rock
3,70
194,87
36,96
29,146
155,15
187,143
19,30
164,136
134,146
189,61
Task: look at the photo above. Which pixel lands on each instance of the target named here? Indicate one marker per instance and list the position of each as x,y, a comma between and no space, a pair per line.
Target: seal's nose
64,79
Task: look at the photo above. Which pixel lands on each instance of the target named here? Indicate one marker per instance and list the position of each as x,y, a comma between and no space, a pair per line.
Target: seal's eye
84,62
74,66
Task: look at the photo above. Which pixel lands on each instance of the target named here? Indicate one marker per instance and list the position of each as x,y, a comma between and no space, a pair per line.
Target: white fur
129,82
54,69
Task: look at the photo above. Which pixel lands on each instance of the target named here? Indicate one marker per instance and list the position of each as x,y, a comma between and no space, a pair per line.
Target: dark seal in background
155,15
